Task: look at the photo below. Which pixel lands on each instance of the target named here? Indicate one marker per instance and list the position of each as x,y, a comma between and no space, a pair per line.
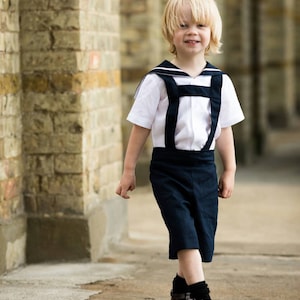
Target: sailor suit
185,115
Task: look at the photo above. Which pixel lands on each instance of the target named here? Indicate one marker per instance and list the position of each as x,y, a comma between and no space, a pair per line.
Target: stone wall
12,217
60,114
72,138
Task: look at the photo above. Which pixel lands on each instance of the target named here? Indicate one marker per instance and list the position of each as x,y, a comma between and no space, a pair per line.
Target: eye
183,25
201,25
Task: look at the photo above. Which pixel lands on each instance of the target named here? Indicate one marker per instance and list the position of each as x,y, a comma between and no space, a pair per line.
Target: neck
193,66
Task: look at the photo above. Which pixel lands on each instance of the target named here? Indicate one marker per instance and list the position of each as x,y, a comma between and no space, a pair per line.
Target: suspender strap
172,112
192,90
175,92
215,102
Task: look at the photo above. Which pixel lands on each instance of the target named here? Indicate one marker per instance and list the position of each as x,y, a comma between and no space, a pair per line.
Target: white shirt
193,123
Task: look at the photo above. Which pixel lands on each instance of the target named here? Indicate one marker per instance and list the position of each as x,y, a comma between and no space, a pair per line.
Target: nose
193,30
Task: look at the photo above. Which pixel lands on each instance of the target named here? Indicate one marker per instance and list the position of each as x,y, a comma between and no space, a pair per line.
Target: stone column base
12,244
73,238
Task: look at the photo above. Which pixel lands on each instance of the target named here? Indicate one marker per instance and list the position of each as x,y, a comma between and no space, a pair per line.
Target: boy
189,107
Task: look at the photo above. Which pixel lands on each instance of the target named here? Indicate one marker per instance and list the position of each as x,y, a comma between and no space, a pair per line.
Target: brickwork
72,113
71,97
49,101
12,219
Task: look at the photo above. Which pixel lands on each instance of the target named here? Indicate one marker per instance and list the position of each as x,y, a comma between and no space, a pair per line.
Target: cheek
175,40
207,37
177,36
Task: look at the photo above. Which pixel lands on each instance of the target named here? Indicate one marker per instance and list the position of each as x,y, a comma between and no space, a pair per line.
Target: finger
220,190
125,195
222,195
131,188
118,190
124,192
226,194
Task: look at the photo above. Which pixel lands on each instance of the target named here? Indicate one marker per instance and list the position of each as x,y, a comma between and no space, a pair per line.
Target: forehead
186,12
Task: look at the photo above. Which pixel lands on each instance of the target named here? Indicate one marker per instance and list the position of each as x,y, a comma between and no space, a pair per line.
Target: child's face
191,38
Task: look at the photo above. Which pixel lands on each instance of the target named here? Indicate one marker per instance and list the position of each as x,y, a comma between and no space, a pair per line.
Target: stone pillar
72,136
277,25
259,111
12,218
237,49
141,50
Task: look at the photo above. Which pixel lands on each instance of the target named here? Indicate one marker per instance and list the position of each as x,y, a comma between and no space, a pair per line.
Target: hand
226,184
127,183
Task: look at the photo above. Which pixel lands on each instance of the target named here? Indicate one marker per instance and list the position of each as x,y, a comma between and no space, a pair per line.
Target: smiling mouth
192,42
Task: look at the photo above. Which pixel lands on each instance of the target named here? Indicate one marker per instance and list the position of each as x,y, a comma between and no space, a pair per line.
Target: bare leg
190,266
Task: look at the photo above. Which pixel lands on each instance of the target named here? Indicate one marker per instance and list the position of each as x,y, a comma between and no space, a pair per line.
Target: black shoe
200,291
190,298
197,298
183,296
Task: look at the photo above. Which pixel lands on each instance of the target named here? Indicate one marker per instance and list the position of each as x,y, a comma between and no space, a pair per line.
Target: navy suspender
215,102
172,112
175,91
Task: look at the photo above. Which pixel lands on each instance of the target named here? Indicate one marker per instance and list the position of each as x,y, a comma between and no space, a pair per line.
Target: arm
136,142
225,147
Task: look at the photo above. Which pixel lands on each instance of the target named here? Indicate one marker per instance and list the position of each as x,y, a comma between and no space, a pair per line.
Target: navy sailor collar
169,69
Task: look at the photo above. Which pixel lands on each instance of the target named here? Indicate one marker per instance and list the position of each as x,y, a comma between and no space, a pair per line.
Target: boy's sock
199,291
179,285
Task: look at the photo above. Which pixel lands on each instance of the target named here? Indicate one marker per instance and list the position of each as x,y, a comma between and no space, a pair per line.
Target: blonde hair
203,11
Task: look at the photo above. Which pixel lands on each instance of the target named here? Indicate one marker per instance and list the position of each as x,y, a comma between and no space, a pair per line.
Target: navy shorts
185,186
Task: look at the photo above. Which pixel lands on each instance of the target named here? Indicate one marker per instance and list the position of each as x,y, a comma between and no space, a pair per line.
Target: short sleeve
146,101
231,112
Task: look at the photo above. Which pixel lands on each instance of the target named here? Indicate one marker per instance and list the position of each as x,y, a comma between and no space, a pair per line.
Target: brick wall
12,219
102,137
72,139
